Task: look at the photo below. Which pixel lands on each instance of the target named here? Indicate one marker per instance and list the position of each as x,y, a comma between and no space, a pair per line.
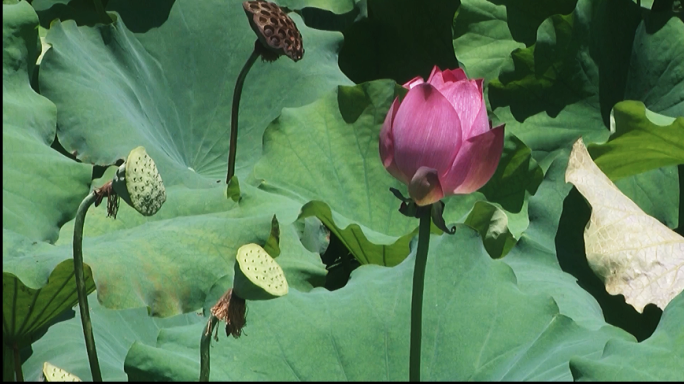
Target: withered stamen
112,198
232,309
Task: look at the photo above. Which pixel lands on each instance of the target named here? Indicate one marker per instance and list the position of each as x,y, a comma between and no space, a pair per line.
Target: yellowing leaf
634,254
53,373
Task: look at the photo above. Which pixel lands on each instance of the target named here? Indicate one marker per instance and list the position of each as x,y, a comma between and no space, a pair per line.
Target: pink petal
413,82
426,131
443,79
480,84
435,78
481,123
476,162
387,144
424,187
454,75
466,99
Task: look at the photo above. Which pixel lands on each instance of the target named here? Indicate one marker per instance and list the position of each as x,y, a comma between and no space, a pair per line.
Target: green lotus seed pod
54,373
139,184
257,275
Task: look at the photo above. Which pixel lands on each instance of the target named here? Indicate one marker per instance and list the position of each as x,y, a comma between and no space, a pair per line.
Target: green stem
205,348
100,10
17,363
417,295
236,106
81,288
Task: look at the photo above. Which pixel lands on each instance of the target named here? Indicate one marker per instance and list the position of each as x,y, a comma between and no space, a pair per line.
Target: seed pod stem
205,348
80,285
236,106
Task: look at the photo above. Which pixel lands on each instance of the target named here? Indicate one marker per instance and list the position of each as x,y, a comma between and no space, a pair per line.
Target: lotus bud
139,184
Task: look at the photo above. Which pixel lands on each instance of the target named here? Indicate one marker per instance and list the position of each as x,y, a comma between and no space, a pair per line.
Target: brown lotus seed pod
275,29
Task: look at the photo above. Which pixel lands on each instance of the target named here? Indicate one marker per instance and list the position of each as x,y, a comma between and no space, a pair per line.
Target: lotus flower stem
80,285
417,294
236,106
205,348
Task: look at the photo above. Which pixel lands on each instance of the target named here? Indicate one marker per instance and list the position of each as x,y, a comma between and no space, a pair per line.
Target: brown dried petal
233,310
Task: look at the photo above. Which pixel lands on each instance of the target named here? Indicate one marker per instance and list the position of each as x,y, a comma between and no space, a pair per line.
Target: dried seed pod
139,184
275,29
257,275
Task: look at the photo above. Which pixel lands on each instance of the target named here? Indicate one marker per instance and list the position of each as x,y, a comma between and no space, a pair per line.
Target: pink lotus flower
438,140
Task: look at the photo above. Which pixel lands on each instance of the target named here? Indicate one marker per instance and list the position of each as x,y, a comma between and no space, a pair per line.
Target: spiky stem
417,294
236,106
80,285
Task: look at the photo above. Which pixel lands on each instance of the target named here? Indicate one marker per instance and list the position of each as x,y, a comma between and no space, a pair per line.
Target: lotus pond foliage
418,190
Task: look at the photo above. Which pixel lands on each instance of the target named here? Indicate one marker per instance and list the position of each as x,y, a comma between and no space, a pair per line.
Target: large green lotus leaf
348,190
659,358
399,40
639,145
334,6
114,330
182,202
563,86
367,246
560,87
499,208
170,88
645,3
486,32
329,15
82,11
534,258
517,175
655,76
40,187
547,244
26,310
516,178
656,192
525,17
482,40
348,185
505,218
169,262
491,222
548,72
477,326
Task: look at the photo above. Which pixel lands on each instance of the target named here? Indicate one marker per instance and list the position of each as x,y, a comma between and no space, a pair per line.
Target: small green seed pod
139,184
257,275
